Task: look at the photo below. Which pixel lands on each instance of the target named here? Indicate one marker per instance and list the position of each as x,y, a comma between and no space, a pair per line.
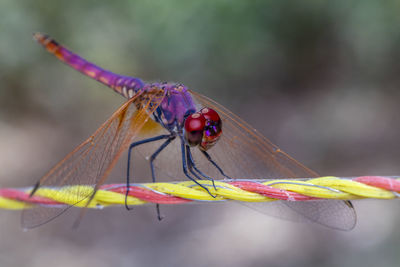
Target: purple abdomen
124,85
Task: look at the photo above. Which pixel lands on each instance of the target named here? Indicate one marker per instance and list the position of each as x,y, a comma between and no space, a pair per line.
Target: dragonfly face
203,128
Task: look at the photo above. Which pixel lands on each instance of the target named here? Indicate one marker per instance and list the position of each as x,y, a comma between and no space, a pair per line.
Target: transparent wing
246,154
335,214
243,153
91,162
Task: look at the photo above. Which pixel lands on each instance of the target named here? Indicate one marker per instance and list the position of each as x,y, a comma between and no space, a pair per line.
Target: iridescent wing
243,153
91,162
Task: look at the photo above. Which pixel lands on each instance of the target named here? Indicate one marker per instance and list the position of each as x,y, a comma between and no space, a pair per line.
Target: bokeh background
319,78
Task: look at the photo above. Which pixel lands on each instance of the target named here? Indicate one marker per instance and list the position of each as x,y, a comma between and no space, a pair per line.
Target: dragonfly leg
141,142
190,163
215,164
152,158
155,154
192,166
185,167
35,188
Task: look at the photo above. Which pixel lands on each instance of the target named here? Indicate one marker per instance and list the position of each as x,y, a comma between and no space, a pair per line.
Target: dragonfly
181,132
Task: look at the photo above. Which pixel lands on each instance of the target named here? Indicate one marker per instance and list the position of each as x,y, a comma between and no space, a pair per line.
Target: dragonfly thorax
175,106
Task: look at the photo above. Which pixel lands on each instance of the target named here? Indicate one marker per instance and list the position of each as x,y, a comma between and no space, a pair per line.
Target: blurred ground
319,79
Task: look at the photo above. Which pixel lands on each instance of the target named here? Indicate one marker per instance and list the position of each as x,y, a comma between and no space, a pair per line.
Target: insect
182,133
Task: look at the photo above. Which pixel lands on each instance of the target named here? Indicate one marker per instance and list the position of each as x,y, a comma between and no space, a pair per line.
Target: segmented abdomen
124,85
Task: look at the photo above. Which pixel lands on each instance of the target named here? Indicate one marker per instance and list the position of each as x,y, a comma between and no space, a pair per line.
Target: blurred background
319,79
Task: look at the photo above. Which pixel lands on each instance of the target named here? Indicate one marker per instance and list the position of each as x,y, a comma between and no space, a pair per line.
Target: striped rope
377,187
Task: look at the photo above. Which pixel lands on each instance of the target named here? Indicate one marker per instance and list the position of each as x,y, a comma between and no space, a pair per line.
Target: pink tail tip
37,36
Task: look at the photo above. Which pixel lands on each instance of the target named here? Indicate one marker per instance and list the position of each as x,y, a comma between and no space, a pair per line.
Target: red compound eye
210,115
195,122
194,127
212,130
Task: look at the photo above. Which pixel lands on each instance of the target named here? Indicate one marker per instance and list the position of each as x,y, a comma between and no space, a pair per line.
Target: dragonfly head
203,128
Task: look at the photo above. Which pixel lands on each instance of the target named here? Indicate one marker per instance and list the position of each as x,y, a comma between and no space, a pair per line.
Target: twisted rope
377,187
